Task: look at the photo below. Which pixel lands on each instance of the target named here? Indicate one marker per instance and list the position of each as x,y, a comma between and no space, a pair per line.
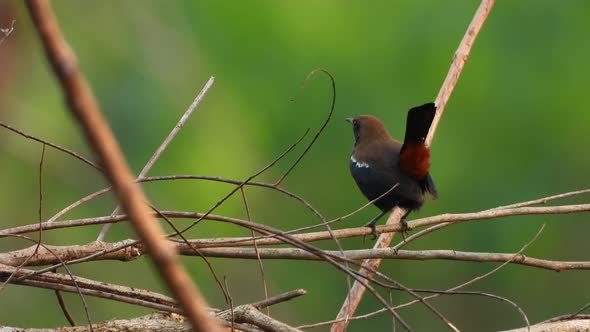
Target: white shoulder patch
359,164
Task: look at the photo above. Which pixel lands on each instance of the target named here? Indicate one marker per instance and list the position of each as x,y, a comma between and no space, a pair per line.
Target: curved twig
319,132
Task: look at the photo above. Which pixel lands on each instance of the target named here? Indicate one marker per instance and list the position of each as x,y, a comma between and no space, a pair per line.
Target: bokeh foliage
515,128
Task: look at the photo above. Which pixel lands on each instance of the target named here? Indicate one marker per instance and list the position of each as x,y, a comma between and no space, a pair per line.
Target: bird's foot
403,228
371,225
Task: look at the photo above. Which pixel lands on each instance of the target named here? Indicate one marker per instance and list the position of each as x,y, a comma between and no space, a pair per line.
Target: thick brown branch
250,315
65,253
576,324
63,282
83,105
169,322
155,322
310,236
388,253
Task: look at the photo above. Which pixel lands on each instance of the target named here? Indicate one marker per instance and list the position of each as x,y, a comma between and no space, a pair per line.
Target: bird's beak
349,119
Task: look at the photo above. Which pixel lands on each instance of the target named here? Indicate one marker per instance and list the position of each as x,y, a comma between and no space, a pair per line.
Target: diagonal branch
83,105
460,58
164,145
55,146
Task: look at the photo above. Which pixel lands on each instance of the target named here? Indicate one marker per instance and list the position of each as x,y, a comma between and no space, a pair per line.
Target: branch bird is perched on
378,162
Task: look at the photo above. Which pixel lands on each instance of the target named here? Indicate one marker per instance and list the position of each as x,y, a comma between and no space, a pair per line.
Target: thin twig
55,146
243,183
189,177
579,311
259,261
319,132
64,308
231,305
544,200
164,145
279,298
60,299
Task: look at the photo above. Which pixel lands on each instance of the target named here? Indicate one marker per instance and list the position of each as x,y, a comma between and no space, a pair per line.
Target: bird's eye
355,123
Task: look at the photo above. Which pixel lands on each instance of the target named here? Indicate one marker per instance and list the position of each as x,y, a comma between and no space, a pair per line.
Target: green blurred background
515,128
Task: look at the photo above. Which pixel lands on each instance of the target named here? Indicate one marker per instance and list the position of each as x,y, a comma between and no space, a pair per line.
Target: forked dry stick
163,146
82,104
354,296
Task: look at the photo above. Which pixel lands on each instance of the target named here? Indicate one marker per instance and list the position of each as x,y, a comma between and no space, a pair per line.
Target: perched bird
378,162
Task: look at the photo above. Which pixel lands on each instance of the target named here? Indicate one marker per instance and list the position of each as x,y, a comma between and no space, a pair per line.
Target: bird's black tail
429,187
418,123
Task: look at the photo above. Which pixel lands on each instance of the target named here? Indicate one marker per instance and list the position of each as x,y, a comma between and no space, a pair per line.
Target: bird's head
367,129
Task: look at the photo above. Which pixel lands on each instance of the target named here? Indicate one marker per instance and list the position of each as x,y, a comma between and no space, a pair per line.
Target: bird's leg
404,224
372,223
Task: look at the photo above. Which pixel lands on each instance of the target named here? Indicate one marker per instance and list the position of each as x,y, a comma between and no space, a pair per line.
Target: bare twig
259,261
243,183
258,319
279,298
579,311
319,132
64,308
164,145
250,315
545,200
43,257
311,236
189,177
579,324
85,286
83,105
60,299
231,304
55,146
459,59
389,253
